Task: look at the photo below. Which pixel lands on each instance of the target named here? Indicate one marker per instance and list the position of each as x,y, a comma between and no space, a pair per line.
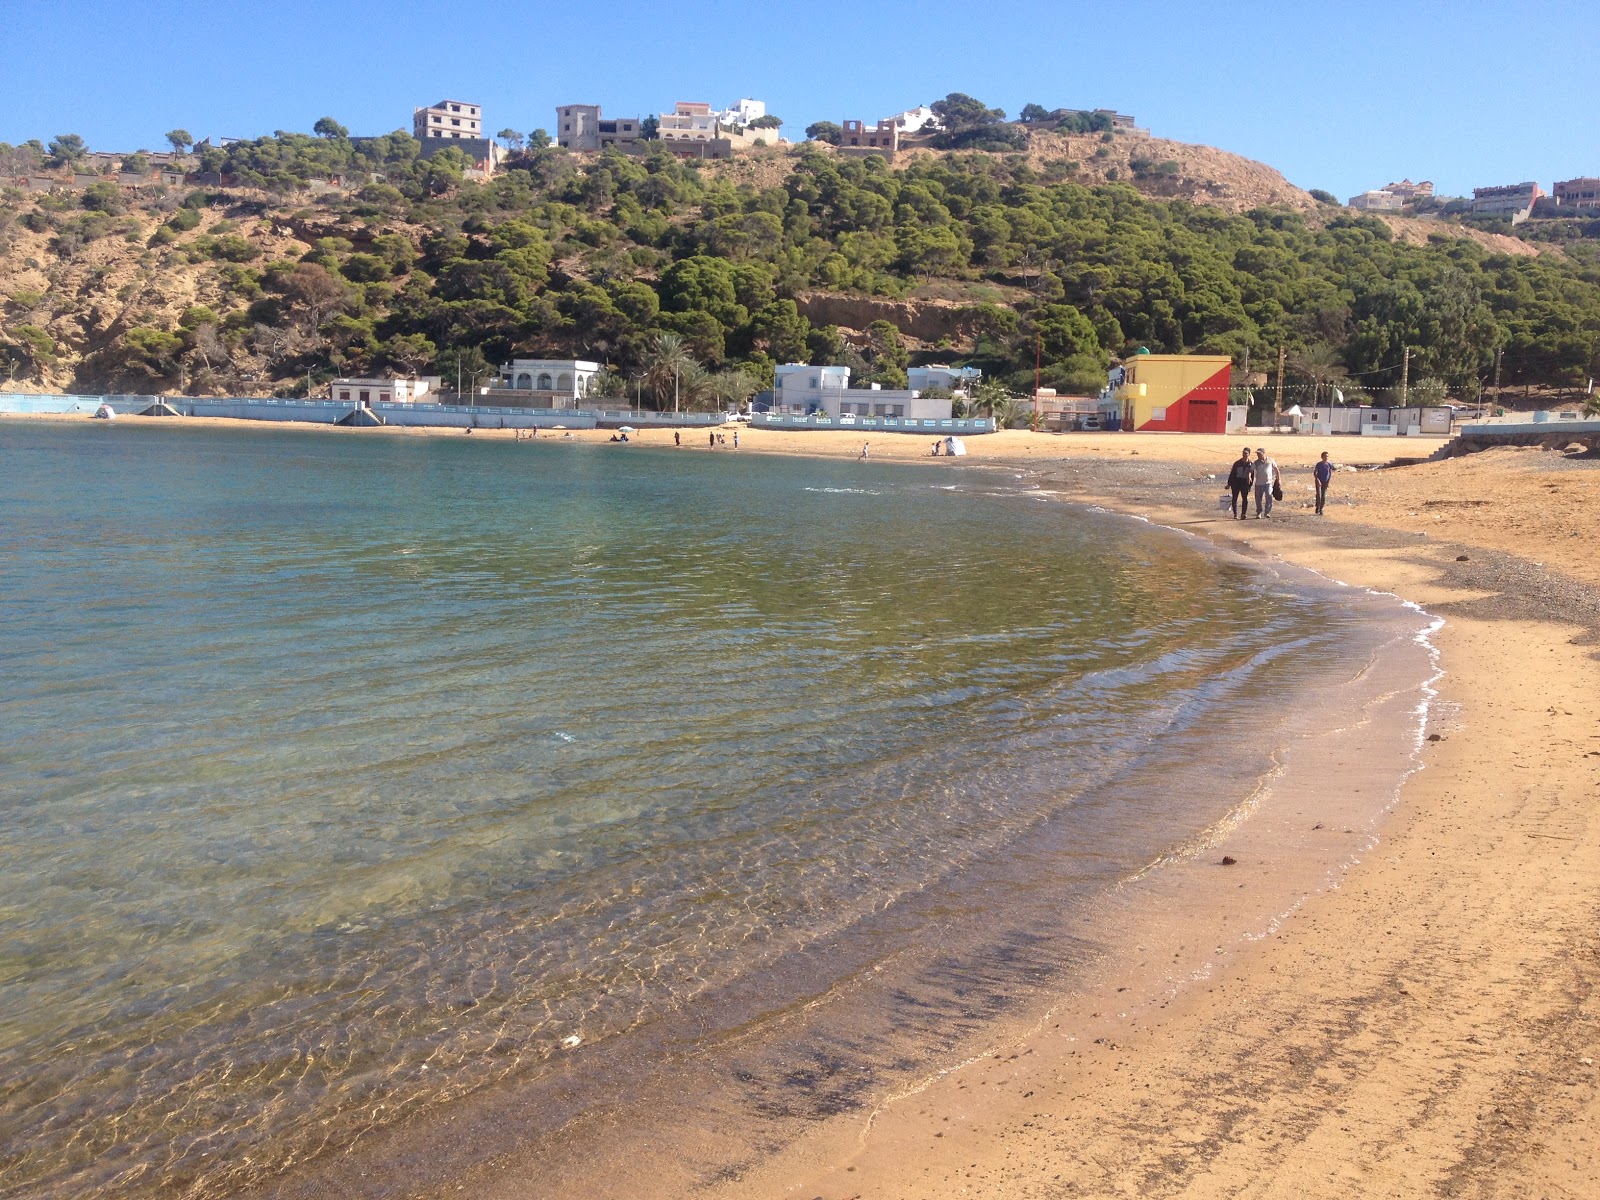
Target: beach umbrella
626,429
558,427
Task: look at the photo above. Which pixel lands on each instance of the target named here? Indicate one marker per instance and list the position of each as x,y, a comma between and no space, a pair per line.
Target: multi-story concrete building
450,119
543,383
689,120
582,127
798,388
458,124
1515,200
1578,193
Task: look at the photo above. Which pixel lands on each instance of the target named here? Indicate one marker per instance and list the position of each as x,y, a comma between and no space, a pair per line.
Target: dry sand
1430,1027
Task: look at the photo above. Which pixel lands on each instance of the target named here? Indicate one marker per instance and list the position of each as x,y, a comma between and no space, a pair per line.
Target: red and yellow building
1177,393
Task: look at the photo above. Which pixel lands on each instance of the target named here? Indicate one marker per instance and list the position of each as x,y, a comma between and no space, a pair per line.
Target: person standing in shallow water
1239,481
1323,472
1266,474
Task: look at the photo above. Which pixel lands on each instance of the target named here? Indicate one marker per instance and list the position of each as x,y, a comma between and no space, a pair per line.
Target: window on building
544,382
344,395
455,108
453,121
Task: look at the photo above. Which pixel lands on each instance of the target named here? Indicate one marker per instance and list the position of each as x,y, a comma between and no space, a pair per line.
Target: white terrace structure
396,389
543,383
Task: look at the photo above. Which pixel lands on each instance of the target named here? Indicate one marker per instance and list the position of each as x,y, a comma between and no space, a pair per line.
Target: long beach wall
331,412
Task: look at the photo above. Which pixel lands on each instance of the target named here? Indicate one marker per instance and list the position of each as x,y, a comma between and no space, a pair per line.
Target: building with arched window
543,383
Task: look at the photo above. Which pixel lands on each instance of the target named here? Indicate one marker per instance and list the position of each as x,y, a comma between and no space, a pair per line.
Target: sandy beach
1431,1025
1427,1028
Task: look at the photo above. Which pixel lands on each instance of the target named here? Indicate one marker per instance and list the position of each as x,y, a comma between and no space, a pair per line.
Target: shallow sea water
344,778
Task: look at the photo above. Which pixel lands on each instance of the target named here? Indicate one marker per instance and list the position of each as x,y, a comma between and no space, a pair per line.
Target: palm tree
670,361
732,387
1320,364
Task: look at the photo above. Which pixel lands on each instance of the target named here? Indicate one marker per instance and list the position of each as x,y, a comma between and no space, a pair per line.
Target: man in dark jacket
1323,472
1239,481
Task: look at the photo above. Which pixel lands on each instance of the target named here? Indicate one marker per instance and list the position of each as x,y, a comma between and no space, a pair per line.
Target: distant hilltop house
857,138
913,120
1581,193
582,127
459,124
1515,200
1393,196
693,129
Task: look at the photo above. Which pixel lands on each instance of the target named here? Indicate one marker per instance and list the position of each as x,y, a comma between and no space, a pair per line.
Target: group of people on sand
1260,475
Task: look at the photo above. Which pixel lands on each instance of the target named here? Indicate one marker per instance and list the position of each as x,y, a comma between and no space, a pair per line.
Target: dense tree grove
604,257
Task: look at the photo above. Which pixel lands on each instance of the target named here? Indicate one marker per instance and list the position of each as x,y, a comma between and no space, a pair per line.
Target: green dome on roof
1143,350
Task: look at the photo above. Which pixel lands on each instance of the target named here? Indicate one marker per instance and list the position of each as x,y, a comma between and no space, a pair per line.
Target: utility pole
1498,355
674,389
1038,351
1405,376
1277,405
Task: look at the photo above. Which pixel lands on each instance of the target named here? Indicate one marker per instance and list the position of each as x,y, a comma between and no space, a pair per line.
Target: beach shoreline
1428,1026
1421,1028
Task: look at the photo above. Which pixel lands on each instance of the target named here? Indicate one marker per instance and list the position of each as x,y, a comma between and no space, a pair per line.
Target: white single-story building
937,375
800,388
392,390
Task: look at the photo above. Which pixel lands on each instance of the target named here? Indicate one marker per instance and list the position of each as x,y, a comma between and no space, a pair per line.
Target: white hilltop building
914,119
742,112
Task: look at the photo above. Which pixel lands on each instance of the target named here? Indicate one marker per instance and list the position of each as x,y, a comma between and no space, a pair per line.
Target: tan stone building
447,119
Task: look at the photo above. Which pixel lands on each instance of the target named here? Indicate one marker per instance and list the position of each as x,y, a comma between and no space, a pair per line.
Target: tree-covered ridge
601,256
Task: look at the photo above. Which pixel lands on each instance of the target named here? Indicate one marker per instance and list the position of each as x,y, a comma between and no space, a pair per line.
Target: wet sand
1427,1028
1430,1026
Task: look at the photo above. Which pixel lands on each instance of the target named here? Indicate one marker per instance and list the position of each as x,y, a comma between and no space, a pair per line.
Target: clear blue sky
1341,96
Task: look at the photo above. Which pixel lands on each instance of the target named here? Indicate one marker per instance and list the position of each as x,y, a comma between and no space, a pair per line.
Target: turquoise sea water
342,777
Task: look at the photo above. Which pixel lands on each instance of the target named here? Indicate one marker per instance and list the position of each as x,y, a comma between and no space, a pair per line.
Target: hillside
1084,247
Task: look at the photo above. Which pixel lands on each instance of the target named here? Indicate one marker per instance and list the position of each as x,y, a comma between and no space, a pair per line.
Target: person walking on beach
866,449
1266,475
1323,472
711,440
735,439
1239,480
677,437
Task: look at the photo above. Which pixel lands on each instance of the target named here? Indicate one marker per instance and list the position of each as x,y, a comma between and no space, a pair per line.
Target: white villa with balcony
544,382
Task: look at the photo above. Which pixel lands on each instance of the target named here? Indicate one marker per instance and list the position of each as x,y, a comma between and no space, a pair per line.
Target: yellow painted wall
1159,381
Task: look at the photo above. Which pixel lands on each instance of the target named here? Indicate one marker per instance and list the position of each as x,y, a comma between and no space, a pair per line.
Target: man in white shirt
1266,476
